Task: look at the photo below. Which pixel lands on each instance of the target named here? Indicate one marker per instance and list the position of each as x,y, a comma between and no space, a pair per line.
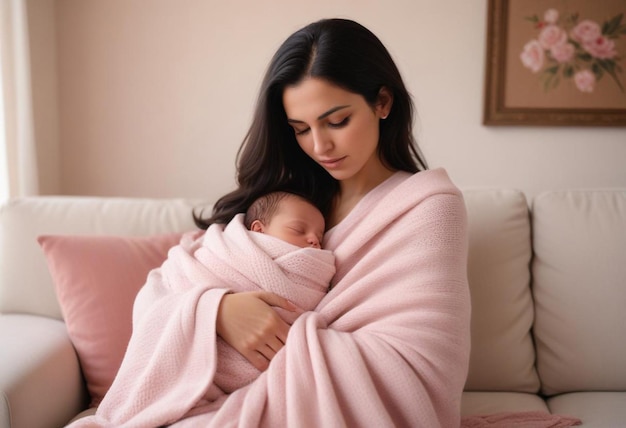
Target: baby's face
297,222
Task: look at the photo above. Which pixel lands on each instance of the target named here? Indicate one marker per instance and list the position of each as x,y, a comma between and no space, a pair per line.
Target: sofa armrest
41,384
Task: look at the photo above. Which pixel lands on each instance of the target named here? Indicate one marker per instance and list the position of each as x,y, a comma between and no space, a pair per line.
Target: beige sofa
548,288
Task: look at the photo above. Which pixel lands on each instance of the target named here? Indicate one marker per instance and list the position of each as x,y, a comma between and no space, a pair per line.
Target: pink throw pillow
96,280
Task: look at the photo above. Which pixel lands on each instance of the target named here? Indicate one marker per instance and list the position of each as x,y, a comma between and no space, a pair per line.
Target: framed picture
556,62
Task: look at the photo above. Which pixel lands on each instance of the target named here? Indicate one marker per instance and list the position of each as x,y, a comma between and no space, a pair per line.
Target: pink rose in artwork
532,56
565,48
552,35
585,31
551,16
563,52
600,47
585,80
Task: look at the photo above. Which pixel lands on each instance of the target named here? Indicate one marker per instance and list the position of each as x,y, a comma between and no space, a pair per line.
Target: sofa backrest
25,282
502,355
579,285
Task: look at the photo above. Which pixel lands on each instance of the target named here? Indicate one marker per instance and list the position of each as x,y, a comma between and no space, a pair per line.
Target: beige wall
154,97
43,55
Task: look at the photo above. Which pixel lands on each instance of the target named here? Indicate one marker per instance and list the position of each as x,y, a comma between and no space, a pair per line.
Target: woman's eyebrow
323,115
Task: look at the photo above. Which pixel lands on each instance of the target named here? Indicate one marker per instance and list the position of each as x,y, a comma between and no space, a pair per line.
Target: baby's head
288,217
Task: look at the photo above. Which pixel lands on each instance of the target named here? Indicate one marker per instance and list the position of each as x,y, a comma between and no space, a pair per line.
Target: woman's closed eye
334,125
301,131
340,124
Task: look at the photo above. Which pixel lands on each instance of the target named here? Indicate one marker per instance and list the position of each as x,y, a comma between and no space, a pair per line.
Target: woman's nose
321,142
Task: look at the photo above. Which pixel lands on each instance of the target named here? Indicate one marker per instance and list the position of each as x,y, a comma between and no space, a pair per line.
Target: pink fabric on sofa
532,419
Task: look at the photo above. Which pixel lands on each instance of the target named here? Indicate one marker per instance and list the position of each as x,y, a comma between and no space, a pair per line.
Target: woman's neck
352,191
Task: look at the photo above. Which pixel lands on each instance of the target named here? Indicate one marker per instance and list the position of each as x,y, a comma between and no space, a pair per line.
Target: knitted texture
387,346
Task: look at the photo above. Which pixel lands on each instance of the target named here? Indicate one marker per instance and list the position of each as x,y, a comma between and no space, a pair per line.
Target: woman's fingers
274,345
267,352
247,322
275,300
261,356
257,359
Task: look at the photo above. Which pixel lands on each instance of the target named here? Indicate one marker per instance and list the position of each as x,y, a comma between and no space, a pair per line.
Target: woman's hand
247,322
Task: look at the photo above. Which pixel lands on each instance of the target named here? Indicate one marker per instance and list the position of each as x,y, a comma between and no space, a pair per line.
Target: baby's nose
314,242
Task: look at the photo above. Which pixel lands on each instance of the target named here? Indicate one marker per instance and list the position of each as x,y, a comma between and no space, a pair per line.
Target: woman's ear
384,102
257,226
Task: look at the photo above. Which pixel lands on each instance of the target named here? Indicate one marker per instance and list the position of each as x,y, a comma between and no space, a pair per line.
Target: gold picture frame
544,67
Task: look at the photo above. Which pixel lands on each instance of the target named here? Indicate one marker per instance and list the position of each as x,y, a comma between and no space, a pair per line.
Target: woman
389,344
334,121
347,64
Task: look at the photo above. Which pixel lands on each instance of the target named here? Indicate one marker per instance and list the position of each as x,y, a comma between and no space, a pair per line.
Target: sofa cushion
595,409
482,403
502,356
96,280
579,272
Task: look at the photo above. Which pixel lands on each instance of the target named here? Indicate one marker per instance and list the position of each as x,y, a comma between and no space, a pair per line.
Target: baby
292,229
287,216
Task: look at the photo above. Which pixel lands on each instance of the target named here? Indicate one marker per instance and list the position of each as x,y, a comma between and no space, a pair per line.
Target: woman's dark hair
341,52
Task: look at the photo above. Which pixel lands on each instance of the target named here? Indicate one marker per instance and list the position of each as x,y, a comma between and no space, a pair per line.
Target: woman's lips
331,163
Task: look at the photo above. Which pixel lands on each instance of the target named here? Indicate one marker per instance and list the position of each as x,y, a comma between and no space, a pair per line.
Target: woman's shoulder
430,191
436,187
433,180
415,187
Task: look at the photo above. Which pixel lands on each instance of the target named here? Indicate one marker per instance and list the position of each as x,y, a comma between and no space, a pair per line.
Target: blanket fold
388,345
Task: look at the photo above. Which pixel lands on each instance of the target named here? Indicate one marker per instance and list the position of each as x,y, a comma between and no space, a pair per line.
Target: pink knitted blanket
387,346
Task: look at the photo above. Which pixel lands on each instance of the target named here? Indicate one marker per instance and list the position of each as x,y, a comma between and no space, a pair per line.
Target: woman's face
337,128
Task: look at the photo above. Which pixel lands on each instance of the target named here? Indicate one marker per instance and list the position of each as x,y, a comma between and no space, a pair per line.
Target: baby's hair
264,207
